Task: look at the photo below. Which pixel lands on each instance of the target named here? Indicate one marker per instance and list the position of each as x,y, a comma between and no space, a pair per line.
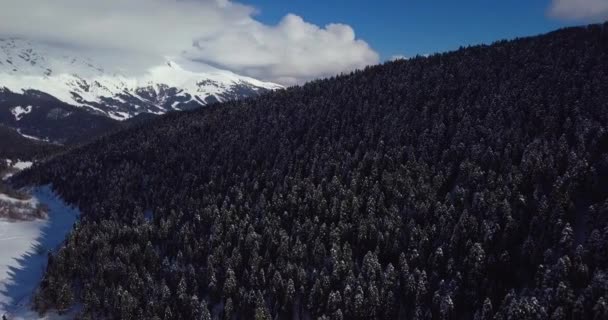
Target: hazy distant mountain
55,85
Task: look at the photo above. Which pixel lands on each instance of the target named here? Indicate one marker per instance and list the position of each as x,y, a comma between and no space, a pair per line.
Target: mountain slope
15,146
39,116
466,185
102,88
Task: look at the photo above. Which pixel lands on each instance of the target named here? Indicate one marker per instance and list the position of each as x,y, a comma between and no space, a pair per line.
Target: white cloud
219,32
579,9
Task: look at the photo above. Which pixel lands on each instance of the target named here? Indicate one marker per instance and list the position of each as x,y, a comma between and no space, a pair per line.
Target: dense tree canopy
465,185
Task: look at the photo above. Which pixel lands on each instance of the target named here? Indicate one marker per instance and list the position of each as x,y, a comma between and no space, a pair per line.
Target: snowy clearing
23,254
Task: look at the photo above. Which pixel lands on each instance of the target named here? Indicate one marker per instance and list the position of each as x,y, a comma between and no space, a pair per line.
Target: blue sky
410,27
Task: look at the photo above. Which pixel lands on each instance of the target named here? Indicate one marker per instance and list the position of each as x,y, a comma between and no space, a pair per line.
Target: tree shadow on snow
27,271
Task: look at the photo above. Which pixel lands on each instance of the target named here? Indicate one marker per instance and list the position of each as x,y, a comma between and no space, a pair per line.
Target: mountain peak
75,78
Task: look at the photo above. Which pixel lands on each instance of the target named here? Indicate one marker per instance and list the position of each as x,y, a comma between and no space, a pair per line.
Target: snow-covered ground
15,166
23,253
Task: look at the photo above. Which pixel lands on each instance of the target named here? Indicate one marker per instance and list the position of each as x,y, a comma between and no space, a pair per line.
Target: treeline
465,185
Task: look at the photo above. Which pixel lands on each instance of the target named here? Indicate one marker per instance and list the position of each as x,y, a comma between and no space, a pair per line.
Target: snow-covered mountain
109,90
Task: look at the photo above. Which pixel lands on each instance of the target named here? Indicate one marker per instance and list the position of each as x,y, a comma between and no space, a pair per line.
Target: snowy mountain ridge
177,84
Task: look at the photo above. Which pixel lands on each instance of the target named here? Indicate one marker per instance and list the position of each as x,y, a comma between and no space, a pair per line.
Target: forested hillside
15,146
465,185
44,117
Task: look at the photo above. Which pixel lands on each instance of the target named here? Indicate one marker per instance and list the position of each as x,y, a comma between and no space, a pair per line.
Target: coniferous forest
465,185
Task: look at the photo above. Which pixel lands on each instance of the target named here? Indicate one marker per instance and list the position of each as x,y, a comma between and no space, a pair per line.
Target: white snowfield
80,81
24,247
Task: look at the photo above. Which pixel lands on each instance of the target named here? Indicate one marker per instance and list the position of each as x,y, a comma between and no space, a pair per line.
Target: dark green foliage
466,185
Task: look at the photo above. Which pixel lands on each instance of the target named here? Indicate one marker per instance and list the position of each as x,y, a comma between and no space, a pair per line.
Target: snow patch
19,111
15,166
32,137
22,165
118,115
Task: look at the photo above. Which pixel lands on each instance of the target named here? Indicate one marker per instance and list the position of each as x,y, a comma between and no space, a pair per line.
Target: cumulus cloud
223,33
579,9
